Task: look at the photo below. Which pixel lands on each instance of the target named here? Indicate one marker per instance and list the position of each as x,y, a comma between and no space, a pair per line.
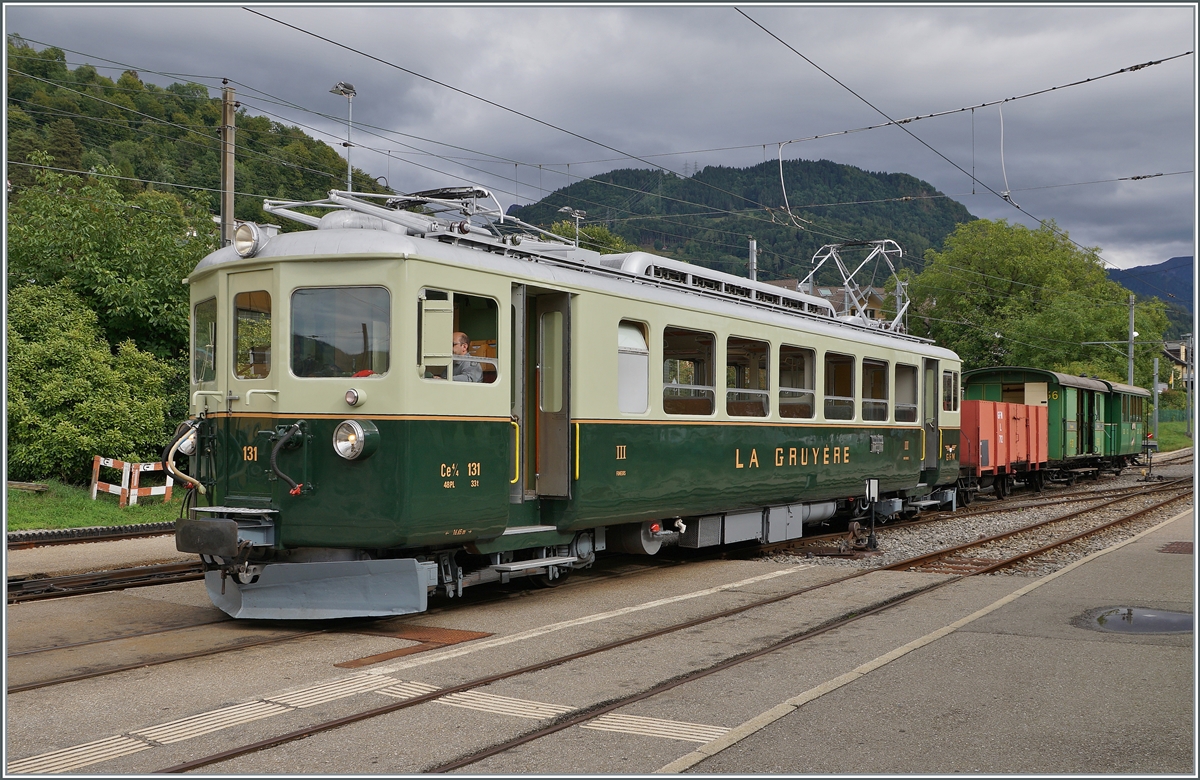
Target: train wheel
965,497
998,487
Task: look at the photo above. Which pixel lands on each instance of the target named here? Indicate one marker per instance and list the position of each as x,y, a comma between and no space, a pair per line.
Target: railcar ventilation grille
706,284
741,292
669,275
768,298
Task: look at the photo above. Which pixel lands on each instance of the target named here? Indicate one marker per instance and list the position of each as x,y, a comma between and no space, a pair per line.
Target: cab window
341,331
906,393
252,334
457,337
204,341
949,391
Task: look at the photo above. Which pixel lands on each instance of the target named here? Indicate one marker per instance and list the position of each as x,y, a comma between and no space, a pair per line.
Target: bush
70,397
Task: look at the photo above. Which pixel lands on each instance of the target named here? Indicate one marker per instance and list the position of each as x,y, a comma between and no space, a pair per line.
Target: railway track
25,540
587,714
21,589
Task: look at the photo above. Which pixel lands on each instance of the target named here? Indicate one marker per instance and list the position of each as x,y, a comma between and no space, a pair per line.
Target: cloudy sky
679,86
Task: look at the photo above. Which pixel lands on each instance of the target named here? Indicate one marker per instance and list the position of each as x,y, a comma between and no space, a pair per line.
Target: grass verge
66,506
1172,436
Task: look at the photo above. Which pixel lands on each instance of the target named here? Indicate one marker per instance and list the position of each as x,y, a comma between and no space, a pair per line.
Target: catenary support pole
753,260
1156,399
228,115
1130,373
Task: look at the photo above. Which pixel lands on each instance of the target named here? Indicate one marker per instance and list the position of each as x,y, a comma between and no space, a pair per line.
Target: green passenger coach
1092,423
420,394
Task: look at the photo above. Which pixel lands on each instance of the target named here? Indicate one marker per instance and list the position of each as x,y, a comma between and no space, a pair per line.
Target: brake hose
295,488
168,460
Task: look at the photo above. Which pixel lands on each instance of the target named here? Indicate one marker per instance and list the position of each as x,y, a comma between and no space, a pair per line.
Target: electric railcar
402,401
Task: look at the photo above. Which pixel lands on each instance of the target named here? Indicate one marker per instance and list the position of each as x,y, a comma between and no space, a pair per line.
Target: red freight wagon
1002,443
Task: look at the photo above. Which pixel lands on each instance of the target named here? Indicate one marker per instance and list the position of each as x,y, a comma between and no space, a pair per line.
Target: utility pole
228,114
1131,335
1187,380
753,259
1156,399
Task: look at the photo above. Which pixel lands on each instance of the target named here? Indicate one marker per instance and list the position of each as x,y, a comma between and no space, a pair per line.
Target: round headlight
188,445
355,439
247,239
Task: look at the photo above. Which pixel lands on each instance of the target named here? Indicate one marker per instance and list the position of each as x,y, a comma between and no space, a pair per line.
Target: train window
252,334
633,368
874,390
839,386
949,391
687,372
456,336
906,393
204,341
746,378
797,368
341,331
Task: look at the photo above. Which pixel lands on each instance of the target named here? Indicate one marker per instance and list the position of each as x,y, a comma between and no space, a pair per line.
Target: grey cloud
669,79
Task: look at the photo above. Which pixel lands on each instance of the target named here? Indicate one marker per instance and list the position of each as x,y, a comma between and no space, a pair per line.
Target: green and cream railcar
396,403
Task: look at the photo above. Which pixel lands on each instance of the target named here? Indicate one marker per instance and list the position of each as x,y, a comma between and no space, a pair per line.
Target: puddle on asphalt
1136,620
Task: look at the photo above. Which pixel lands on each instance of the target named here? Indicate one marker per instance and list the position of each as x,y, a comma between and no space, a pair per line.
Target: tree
125,257
595,237
1001,294
69,396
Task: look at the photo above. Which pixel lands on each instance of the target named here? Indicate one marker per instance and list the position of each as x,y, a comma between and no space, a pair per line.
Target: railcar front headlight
248,239
355,439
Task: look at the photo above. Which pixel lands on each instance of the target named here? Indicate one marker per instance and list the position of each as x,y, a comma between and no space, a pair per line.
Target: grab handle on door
516,452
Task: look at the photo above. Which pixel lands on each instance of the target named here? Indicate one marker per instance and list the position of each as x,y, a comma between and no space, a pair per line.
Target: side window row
690,379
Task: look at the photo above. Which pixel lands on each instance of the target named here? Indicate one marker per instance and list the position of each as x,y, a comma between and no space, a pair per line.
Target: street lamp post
342,88
578,215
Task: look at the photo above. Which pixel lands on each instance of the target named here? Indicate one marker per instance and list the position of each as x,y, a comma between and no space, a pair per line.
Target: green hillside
708,218
147,133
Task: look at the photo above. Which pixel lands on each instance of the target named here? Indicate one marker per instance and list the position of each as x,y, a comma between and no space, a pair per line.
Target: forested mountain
149,134
1169,281
708,218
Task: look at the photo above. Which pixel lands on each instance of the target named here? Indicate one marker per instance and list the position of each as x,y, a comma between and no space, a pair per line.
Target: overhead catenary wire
925,143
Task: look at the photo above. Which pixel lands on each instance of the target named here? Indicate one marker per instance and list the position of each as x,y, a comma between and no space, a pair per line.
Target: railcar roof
1066,380
361,238
1117,387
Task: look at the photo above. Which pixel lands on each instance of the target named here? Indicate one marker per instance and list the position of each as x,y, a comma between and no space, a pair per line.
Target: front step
561,560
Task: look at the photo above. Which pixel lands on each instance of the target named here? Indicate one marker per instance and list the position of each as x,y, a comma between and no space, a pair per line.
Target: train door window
797,380
252,334
633,368
747,382
457,336
204,341
839,386
874,390
687,372
949,391
906,393
341,331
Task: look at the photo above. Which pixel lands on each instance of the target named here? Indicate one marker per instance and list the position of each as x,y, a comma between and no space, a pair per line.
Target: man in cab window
465,369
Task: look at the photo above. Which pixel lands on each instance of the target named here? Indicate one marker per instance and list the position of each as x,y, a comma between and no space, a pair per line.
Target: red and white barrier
130,488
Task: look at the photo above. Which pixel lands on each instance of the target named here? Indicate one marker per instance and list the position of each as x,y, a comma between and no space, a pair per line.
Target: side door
931,399
252,375
553,395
